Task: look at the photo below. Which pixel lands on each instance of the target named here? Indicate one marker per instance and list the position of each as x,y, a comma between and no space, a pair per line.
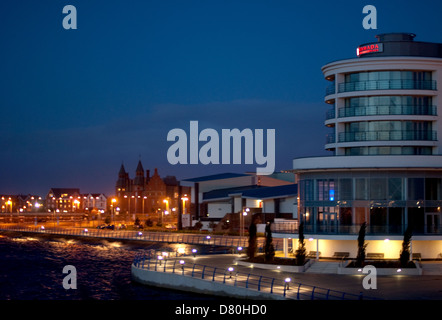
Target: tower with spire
144,195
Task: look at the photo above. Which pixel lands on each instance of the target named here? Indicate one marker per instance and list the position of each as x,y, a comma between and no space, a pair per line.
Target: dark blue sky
75,104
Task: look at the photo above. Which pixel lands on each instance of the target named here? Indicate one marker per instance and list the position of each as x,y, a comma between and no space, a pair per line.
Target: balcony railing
414,135
388,110
387,85
330,138
330,114
330,89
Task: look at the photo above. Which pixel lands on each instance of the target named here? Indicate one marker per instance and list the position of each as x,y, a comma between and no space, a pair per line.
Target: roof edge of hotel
346,60
369,162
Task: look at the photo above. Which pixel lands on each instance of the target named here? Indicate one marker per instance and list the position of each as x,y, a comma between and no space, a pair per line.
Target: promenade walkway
397,287
219,274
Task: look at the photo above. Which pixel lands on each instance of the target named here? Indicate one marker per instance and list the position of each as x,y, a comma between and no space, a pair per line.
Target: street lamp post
113,209
144,200
184,199
135,210
241,221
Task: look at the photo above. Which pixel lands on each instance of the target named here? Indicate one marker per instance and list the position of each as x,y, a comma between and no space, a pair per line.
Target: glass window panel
320,190
373,76
345,189
331,191
378,189
395,189
361,189
360,216
378,216
415,188
432,188
384,75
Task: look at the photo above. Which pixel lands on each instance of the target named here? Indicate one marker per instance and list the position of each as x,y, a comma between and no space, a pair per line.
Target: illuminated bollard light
287,283
182,262
194,252
230,271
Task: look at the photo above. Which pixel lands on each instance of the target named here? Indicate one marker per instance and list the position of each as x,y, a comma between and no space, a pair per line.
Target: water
31,268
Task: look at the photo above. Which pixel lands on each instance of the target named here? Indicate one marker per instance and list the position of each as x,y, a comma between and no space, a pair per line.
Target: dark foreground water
31,268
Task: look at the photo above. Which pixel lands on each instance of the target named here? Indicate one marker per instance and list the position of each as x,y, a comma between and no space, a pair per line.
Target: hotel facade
385,120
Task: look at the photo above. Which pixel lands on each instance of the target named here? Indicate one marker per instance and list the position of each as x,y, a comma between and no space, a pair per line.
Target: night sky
75,104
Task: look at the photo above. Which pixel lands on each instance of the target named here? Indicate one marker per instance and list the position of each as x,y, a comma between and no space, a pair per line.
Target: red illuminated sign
369,48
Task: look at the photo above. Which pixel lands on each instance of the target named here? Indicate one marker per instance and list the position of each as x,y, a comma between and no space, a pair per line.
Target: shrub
404,257
360,258
300,253
251,249
269,250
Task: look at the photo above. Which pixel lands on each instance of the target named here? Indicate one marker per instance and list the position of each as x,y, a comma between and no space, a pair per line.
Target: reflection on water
31,268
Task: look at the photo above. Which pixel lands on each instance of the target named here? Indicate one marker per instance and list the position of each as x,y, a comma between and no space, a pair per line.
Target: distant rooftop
224,193
217,177
57,192
272,192
253,191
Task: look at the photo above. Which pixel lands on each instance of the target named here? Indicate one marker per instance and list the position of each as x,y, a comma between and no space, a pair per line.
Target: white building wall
218,209
268,206
286,205
237,207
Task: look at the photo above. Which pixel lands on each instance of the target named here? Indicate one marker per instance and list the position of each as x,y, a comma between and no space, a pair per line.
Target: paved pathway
397,287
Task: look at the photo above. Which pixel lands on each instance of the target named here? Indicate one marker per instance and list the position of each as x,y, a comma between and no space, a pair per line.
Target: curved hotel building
385,120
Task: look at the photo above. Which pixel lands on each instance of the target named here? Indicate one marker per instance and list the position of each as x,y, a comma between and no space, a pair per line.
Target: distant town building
94,202
63,200
21,203
150,195
231,199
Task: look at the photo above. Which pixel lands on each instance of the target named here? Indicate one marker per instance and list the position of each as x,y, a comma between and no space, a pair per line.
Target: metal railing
285,227
394,135
198,239
330,138
387,85
330,113
387,110
231,277
330,89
